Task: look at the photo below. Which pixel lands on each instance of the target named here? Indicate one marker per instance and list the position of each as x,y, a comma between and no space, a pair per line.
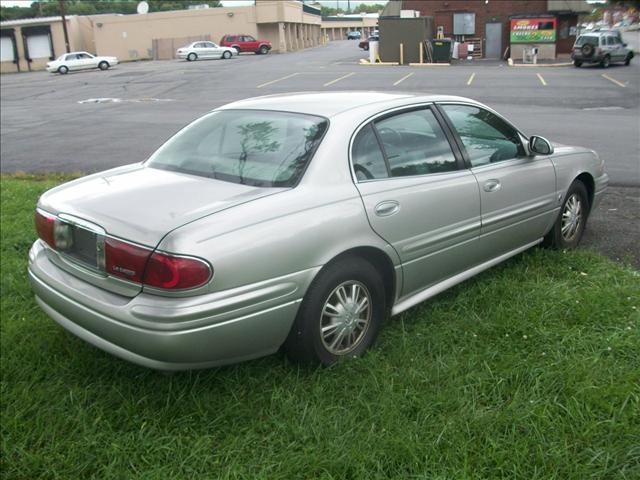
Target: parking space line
403,79
473,75
617,82
277,80
541,79
338,79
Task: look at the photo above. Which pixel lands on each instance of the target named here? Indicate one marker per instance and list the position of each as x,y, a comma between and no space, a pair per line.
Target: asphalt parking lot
90,121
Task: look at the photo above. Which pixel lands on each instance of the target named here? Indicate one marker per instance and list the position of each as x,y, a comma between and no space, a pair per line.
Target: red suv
246,43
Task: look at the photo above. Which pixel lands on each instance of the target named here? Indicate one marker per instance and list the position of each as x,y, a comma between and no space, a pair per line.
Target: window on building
7,52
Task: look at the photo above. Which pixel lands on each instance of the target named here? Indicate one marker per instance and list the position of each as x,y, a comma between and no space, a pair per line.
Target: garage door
6,49
39,46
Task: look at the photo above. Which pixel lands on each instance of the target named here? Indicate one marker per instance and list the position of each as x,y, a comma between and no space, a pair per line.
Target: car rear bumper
170,333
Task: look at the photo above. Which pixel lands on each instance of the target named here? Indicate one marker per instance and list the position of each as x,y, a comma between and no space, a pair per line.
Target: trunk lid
142,204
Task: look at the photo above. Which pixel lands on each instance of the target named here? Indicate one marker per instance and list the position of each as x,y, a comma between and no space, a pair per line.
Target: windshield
592,39
251,147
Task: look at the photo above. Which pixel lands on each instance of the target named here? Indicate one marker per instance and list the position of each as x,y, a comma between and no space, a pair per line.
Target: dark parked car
354,35
246,43
364,44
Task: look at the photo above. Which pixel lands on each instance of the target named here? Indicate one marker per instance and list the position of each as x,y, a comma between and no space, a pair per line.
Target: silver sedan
301,221
199,50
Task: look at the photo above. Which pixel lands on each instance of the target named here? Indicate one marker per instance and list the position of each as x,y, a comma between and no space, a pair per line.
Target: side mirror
624,45
540,146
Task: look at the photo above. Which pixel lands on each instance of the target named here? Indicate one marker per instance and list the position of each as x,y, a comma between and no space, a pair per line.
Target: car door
517,191
71,61
417,194
249,43
213,51
86,61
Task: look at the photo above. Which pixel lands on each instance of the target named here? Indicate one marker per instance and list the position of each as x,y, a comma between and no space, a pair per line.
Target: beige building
337,27
29,44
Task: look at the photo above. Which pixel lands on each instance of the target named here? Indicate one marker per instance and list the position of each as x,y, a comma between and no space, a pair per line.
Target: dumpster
441,50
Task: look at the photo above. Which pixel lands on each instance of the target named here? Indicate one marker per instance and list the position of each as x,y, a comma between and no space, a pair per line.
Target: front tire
263,50
192,57
568,229
365,48
226,55
606,61
341,314
103,66
628,58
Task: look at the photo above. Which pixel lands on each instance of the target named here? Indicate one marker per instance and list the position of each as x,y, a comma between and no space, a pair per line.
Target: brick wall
491,11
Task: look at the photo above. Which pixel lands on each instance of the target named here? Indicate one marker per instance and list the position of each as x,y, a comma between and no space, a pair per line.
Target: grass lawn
530,370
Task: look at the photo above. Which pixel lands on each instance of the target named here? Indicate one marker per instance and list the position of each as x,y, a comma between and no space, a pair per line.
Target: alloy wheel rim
571,217
345,317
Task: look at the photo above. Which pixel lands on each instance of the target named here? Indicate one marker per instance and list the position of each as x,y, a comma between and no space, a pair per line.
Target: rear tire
606,61
103,66
63,70
238,49
568,229
577,63
628,58
335,321
191,57
365,48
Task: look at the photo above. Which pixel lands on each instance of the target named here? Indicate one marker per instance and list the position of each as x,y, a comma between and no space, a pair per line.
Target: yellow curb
429,64
378,63
537,65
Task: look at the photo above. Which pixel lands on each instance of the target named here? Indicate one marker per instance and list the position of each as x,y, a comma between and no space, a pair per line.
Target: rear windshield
592,39
252,147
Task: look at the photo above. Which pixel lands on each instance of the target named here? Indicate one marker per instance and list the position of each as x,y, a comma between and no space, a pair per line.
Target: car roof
329,104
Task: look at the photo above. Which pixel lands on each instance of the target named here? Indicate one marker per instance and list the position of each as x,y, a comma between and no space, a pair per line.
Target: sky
226,3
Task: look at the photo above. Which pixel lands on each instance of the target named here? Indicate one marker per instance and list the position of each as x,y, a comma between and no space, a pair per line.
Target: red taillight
176,273
125,260
44,227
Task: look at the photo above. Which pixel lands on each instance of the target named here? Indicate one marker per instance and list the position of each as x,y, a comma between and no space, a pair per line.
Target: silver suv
602,48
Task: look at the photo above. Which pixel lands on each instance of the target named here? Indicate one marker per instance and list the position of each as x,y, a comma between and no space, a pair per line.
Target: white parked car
198,50
80,61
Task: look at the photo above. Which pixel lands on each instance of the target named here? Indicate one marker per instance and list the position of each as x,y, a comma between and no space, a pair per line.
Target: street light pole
64,26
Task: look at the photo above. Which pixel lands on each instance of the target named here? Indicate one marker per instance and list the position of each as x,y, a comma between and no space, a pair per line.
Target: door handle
492,185
387,208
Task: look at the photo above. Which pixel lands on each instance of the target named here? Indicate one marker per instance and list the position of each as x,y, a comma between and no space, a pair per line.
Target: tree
50,8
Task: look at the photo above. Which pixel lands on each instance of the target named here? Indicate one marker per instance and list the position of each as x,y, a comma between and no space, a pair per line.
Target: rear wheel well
588,182
381,262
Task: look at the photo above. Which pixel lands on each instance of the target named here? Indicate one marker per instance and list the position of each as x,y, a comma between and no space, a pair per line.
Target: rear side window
415,144
252,147
591,39
368,161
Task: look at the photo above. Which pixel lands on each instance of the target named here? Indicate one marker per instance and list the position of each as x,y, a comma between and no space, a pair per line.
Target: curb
538,65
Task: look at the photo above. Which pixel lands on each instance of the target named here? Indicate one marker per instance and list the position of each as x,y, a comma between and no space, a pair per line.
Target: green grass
530,370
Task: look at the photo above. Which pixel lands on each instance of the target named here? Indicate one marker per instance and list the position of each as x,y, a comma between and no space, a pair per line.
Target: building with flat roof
497,25
29,44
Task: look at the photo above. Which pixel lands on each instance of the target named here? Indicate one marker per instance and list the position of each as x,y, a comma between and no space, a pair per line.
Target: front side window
415,144
252,147
486,137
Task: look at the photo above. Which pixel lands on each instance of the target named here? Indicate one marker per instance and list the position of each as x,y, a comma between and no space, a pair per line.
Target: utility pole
64,26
